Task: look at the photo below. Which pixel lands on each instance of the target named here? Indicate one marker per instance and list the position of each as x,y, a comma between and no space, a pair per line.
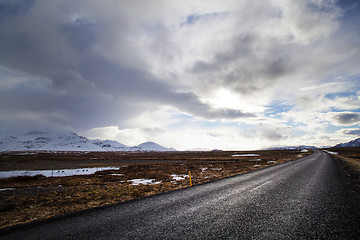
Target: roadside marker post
190,179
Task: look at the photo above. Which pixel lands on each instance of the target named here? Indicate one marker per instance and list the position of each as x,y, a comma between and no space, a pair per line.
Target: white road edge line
261,185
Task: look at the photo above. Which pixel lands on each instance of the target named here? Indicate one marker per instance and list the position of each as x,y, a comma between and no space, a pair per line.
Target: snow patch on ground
6,189
179,177
143,181
329,152
55,173
255,160
246,155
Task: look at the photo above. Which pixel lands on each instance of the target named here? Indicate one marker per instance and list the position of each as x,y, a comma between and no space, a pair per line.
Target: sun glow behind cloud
186,74
225,98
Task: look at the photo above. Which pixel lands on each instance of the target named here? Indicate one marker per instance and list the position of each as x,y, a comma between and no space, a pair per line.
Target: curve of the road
303,199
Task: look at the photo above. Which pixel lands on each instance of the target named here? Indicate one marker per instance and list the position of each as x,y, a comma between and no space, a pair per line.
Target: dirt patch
25,199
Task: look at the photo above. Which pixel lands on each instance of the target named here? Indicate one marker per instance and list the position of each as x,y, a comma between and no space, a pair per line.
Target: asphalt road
302,199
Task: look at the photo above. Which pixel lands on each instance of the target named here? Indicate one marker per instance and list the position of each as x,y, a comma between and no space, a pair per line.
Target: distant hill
68,141
301,147
151,146
353,143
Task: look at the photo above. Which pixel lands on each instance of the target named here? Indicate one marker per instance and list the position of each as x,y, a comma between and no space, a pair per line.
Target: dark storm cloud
14,7
143,87
247,68
41,40
347,118
352,132
275,44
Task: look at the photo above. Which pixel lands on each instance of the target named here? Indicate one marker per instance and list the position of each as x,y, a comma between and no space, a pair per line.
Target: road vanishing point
303,199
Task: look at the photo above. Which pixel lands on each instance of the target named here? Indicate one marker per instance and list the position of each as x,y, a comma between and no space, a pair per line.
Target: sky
231,75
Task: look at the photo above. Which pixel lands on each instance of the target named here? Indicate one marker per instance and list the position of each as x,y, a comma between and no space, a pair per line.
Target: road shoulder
351,168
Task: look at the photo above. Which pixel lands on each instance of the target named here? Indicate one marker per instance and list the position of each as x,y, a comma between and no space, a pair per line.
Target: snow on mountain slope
301,147
108,144
151,146
69,141
48,141
353,143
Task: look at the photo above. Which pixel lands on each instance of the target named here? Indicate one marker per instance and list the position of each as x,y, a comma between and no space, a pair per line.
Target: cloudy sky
241,74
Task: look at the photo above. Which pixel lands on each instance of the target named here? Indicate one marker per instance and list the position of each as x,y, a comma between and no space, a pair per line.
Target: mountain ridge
301,147
155,146
352,143
69,141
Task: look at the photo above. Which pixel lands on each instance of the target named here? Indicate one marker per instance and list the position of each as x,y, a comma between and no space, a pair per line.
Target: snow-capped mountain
301,147
151,146
110,144
353,143
36,140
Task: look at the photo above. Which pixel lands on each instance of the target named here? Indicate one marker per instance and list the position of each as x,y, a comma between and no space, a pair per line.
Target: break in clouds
203,74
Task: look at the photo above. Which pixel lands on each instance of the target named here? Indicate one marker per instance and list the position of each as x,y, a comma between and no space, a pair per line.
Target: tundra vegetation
25,199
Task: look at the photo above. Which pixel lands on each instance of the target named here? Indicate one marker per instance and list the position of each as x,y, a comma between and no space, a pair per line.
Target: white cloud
129,137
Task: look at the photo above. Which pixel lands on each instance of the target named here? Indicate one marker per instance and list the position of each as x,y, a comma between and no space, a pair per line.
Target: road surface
302,199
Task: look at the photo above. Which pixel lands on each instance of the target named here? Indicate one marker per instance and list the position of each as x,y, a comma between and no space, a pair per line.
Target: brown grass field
39,197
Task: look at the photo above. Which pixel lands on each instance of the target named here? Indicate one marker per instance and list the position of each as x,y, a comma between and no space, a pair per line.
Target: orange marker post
190,179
